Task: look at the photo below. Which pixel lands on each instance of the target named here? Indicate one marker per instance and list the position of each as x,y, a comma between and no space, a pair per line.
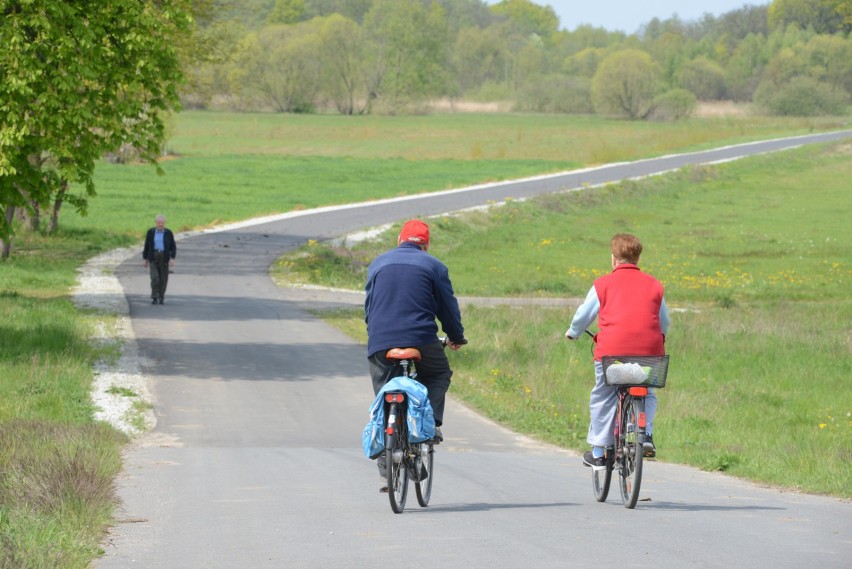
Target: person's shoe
596,463
383,486
648,448
161,300
438,438
153,301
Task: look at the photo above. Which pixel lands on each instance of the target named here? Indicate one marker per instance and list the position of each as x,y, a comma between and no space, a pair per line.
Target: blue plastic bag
420,417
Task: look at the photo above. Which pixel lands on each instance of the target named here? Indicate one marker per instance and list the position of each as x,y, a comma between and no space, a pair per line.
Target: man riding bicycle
407,290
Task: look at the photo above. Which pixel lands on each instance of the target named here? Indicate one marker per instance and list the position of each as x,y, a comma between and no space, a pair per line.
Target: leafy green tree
528,17
824,16
408,57
78,79
744,68
352,9
342,48
829,59
585,62
279,66
703,77
625,84
286,12
480,55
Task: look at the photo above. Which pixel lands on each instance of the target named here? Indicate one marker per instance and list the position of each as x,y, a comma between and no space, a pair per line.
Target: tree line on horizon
87,79
789,57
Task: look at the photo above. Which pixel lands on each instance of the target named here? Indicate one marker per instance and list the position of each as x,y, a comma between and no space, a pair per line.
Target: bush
556,94
802,96
625,83
488,92
704,77
673,105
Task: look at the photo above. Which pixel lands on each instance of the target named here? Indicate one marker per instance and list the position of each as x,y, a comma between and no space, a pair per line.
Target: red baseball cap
414,231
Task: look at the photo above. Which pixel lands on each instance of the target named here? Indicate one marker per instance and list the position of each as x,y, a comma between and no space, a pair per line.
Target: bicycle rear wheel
630,443
395,459
601,478
424,467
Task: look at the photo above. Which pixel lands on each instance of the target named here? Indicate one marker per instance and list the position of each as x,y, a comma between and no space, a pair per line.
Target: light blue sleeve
585,315
664,317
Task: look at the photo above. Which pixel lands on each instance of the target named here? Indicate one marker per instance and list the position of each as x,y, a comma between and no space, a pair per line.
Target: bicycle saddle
403,354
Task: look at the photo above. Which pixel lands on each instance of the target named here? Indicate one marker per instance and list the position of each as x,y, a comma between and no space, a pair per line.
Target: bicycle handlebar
445,341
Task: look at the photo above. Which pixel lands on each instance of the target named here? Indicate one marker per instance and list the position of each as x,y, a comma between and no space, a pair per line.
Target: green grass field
755,248
755,264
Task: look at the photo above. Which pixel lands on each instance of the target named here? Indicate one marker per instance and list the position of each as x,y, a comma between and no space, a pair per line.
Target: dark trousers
159,271
433,371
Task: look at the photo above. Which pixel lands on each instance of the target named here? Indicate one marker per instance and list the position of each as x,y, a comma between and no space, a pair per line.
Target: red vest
629,316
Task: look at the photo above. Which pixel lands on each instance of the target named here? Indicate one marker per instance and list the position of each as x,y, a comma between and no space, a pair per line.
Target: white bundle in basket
627,374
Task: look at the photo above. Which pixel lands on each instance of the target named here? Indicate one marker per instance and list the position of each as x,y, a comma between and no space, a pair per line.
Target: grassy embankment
57,466
754,254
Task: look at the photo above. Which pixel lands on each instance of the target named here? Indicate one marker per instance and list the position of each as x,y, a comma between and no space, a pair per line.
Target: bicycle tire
395,460
425,462
630,444
601,479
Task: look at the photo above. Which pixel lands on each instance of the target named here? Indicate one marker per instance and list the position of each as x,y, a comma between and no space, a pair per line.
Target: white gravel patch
120,390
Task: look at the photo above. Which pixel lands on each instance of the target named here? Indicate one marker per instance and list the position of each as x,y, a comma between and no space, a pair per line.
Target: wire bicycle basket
647,371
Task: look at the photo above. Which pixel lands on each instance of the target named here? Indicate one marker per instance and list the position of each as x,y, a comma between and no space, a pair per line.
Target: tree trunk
31,217
6,246
57,205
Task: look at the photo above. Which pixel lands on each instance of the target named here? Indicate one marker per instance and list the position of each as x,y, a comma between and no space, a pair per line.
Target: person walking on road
632,319
159,255
407,290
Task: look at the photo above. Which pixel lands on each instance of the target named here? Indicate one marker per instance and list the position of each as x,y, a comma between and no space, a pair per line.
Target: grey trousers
603,404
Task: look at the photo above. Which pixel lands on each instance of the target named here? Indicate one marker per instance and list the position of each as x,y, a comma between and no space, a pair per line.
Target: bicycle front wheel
395,460
630,445
424,471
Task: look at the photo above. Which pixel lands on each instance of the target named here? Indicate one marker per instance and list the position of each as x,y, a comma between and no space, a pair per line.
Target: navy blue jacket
168,244
407,288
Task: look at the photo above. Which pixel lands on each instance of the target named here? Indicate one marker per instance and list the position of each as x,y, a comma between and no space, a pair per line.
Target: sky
628,15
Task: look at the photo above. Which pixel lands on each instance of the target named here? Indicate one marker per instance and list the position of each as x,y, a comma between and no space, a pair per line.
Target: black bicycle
633,375
405,459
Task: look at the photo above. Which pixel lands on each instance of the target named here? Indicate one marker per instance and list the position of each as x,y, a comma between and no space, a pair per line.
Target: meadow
771,293
757,272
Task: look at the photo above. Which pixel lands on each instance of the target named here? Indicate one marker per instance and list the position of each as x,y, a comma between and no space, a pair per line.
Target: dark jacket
168,244
408,288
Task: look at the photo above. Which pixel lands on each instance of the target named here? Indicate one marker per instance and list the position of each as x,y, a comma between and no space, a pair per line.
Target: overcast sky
628,15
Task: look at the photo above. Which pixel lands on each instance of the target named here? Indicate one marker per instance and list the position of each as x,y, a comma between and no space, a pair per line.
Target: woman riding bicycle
407,289
632,320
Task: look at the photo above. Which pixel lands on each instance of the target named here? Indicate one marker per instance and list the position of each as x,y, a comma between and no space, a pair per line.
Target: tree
528,17
625,84
409,51
703,77
286,12
280,67
824,16
78,79
342,46
479,56
801,96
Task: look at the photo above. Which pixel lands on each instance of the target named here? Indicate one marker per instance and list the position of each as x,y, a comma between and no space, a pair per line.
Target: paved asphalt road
256,462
